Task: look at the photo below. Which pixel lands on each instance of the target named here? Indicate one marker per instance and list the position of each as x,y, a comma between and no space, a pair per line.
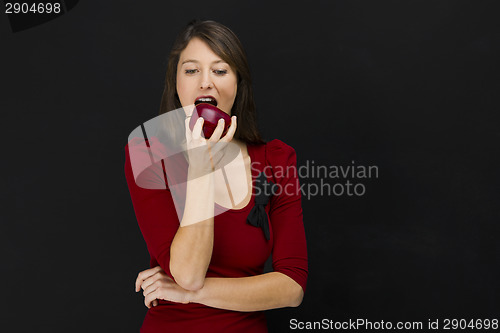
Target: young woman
207,264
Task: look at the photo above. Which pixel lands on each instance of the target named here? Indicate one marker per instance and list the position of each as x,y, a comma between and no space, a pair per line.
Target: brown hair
226,45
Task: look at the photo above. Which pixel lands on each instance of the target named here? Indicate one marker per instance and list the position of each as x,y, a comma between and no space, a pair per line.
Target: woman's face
203,74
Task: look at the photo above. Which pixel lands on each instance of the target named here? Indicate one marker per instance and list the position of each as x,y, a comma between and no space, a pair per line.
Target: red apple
211,115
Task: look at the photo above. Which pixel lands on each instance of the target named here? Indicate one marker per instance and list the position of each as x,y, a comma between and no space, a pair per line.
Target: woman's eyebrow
197,62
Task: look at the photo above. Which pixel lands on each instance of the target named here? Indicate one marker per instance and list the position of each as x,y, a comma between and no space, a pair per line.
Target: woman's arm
191,234
255,293
285,286
281,288
181,246
191,248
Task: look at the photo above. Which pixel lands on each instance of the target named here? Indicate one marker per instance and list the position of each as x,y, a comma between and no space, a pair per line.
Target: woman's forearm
255,293
191,248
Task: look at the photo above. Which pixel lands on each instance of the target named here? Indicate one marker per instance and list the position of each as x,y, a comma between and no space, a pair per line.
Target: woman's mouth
206,99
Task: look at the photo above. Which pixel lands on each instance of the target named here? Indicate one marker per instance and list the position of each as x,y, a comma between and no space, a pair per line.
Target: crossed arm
190,254
256,293
180,276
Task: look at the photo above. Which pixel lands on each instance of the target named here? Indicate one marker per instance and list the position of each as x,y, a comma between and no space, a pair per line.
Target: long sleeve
154,210
289,250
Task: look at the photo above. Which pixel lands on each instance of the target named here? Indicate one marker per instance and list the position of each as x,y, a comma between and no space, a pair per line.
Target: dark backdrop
408,86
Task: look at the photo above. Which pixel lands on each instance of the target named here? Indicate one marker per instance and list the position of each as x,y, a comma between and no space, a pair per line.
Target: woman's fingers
154,292
221,143
230,131
218,131
162,282
210,150
150,280
188,130
144,275
150,288
196,134
159,276
165,289
151,297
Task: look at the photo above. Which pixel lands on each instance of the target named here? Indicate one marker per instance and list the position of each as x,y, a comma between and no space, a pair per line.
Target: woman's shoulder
279,153
282,161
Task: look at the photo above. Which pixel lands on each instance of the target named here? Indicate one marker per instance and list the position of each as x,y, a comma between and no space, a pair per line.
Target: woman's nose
206,82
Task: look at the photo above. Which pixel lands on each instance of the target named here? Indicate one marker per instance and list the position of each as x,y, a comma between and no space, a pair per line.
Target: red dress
240,249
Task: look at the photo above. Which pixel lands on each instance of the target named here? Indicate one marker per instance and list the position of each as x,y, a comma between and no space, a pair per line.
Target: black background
408,86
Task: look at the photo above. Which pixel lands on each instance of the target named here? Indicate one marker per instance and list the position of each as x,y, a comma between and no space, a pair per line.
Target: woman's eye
190,71
220,71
